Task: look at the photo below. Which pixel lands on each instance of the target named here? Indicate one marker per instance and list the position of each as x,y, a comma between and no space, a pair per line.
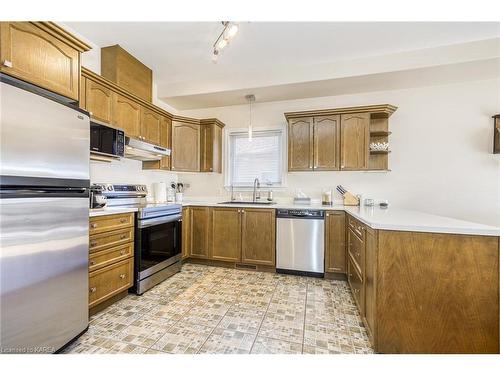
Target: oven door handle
158,220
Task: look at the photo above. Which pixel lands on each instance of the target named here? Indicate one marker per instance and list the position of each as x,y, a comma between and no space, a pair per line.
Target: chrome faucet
256,190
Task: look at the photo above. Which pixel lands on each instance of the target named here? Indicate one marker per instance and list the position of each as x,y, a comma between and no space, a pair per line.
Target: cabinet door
165,140
150,126
300,144
186,232
99,101
200,223
326,150
185,147
258,233
206,148
31,54
370,282
354,141
225,237
127,116
335,256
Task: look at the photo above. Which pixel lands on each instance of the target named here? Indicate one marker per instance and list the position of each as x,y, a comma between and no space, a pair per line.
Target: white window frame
227,157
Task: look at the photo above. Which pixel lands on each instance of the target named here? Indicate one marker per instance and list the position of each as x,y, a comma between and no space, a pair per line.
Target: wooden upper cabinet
42,53
99,101
225,237
354,141
211,145
335,247
127,115
258,233
326,143
150,126
185,146
200,226
300,144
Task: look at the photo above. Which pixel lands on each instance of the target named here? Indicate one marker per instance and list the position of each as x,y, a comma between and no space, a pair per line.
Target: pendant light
250,99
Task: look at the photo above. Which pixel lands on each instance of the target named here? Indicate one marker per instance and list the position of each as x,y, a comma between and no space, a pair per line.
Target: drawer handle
122,276
356,290
93,225
123,236
92,262
93,289
123,221
122,252
93,244
7,63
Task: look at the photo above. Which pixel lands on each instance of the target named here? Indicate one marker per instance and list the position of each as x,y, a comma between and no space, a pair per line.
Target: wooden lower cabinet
109,281
236,235
111,257
258,236
200,226
357,286
335,246
370,318
186,232
225,234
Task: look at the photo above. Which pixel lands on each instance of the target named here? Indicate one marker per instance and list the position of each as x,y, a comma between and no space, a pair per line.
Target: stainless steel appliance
44,153
158,234
300,242
105,140
140,150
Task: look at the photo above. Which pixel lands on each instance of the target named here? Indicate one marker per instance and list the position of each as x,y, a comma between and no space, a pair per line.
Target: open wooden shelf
379,134
379,152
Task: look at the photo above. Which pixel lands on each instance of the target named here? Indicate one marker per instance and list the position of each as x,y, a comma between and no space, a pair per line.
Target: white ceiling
180,52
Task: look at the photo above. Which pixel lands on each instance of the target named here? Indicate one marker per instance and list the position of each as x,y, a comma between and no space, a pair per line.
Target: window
261,158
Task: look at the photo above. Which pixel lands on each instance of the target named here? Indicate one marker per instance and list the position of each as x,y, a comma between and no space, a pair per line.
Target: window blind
259,158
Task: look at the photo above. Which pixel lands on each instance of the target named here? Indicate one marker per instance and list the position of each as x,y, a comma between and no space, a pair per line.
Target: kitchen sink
265,203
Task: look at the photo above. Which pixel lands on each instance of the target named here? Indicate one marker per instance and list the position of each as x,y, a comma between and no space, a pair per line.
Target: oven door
158,244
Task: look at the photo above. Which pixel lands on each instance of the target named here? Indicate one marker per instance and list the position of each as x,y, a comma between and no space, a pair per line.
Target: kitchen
157,208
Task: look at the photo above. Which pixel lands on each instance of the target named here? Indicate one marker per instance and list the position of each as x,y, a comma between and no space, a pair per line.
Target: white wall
127,171
441,144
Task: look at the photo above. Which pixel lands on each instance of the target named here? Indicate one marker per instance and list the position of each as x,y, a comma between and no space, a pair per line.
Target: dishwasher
300,248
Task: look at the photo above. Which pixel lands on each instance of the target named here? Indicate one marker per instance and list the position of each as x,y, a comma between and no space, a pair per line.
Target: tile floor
206,309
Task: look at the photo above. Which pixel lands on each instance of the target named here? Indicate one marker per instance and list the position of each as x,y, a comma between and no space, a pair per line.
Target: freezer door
41,138
43,272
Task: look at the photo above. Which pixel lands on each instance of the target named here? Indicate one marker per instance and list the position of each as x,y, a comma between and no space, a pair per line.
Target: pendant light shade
250,99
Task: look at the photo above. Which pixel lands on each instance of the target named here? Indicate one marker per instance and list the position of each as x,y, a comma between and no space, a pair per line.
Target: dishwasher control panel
300,213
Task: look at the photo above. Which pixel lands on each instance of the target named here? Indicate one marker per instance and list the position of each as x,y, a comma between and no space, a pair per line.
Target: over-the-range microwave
106,140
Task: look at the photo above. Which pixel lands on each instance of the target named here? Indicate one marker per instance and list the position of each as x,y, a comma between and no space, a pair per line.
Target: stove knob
110,188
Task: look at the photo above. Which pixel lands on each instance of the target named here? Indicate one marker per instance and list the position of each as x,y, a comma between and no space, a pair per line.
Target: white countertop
384,218
377,218
110,211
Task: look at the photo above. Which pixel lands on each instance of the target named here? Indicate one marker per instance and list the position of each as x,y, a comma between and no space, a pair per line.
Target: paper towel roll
160,192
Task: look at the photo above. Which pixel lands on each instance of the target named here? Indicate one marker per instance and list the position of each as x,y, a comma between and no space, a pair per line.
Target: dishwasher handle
300,214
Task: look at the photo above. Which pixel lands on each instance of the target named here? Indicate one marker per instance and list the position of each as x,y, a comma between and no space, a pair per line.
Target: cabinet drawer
109,239
106,257
355,248
356,284
100,224
357,226
110,280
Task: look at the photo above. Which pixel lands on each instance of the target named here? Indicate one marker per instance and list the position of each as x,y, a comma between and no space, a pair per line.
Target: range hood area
144,151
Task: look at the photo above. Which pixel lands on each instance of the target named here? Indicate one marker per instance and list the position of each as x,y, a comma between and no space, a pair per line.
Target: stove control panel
123,190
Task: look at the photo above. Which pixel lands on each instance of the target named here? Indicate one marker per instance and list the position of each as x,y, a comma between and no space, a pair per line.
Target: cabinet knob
92,262
122,252
123,221
123,236
243,211
122,276
93,225
327,214
7,63
93,289
93,244
341,167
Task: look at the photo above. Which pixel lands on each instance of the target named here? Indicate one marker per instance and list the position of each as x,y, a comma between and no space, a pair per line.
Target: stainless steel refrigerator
44,167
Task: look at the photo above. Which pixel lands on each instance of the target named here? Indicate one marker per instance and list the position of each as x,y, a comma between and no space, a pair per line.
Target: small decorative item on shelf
379,146
349,198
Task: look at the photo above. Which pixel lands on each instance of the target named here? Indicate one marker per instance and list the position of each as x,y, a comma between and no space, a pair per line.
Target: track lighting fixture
229,31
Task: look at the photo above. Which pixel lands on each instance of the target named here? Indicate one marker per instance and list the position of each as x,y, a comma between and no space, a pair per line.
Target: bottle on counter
327,198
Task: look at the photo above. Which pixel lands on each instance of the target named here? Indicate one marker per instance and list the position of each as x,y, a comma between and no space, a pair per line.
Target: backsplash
128,171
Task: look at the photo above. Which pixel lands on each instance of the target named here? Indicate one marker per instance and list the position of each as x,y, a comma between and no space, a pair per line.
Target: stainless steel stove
158,234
